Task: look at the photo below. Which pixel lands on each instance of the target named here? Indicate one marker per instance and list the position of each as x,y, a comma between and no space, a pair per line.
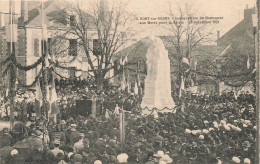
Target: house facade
59,16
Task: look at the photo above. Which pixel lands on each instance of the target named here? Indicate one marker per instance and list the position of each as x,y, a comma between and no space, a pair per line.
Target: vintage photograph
129,81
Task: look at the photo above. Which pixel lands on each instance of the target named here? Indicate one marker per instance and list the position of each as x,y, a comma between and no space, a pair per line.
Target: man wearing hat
24,107
58,135
72,135
79,145
56,149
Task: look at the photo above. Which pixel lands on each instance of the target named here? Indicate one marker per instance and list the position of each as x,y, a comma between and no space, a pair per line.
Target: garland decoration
33,83
28,67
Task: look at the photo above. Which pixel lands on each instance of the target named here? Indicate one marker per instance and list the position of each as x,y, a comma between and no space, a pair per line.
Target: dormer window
72,19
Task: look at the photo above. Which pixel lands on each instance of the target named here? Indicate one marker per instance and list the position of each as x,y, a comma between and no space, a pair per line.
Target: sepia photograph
129,81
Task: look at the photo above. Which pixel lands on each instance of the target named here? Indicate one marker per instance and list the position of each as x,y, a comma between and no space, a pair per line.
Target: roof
56,11
139,50
241,33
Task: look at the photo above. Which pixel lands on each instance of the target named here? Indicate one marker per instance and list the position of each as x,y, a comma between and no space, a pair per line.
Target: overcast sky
230,10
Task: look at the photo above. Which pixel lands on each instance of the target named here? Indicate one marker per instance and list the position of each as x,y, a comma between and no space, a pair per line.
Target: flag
128,87
107,114
136,89
123,82
125,60
248,62
195,64
181,87
122,126
185,61
121,61
38,97
53,100
185,64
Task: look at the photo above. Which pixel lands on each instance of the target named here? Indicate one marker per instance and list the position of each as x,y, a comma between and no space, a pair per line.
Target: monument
157,87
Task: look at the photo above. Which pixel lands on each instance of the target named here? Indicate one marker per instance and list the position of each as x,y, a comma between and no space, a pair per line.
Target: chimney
218,34
248,13
24,10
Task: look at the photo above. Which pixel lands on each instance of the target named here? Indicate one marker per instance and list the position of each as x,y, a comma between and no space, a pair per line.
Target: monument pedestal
157,88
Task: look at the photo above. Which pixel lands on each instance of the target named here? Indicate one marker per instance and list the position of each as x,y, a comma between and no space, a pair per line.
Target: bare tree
108,27
186,33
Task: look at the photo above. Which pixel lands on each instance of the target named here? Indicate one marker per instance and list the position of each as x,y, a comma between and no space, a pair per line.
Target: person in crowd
56,149
78,146
5,139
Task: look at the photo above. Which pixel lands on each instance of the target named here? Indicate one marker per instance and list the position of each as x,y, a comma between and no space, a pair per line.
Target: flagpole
11,50
45,90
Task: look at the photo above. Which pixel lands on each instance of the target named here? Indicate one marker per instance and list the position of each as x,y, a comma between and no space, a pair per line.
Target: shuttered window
36,47
73,47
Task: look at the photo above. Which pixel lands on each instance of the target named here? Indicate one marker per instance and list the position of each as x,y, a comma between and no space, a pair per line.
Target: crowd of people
203,129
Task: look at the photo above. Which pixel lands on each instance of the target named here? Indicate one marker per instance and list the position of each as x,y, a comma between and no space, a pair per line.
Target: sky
230,10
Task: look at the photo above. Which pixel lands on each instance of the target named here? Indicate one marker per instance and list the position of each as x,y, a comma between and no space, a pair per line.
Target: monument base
146,111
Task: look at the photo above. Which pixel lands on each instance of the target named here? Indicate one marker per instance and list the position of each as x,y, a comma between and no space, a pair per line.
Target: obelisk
157,87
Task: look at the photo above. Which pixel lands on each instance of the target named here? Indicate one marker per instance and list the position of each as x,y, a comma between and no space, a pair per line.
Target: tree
100,32
186,35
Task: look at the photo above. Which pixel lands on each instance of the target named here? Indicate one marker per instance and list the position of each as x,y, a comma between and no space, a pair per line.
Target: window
72,72
36,47
3,47
50,45
73,47
72,20
96,47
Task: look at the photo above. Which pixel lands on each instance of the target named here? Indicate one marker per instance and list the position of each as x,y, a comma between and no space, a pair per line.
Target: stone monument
157,87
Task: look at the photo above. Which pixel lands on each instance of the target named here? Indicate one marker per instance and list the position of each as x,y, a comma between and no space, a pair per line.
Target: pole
257,75
45,87
11,51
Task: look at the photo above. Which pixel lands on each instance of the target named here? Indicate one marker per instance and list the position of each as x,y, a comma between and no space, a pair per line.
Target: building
59,16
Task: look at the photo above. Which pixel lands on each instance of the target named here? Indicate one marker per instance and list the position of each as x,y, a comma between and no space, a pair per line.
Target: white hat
198,131
73,125
205,131
227,127
166,159
14,152
236,159
70,154
206,122
160,153
238,129
247,161
122,158
97,162
210,129
187,130
223,122
194,132
219,161
201,137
